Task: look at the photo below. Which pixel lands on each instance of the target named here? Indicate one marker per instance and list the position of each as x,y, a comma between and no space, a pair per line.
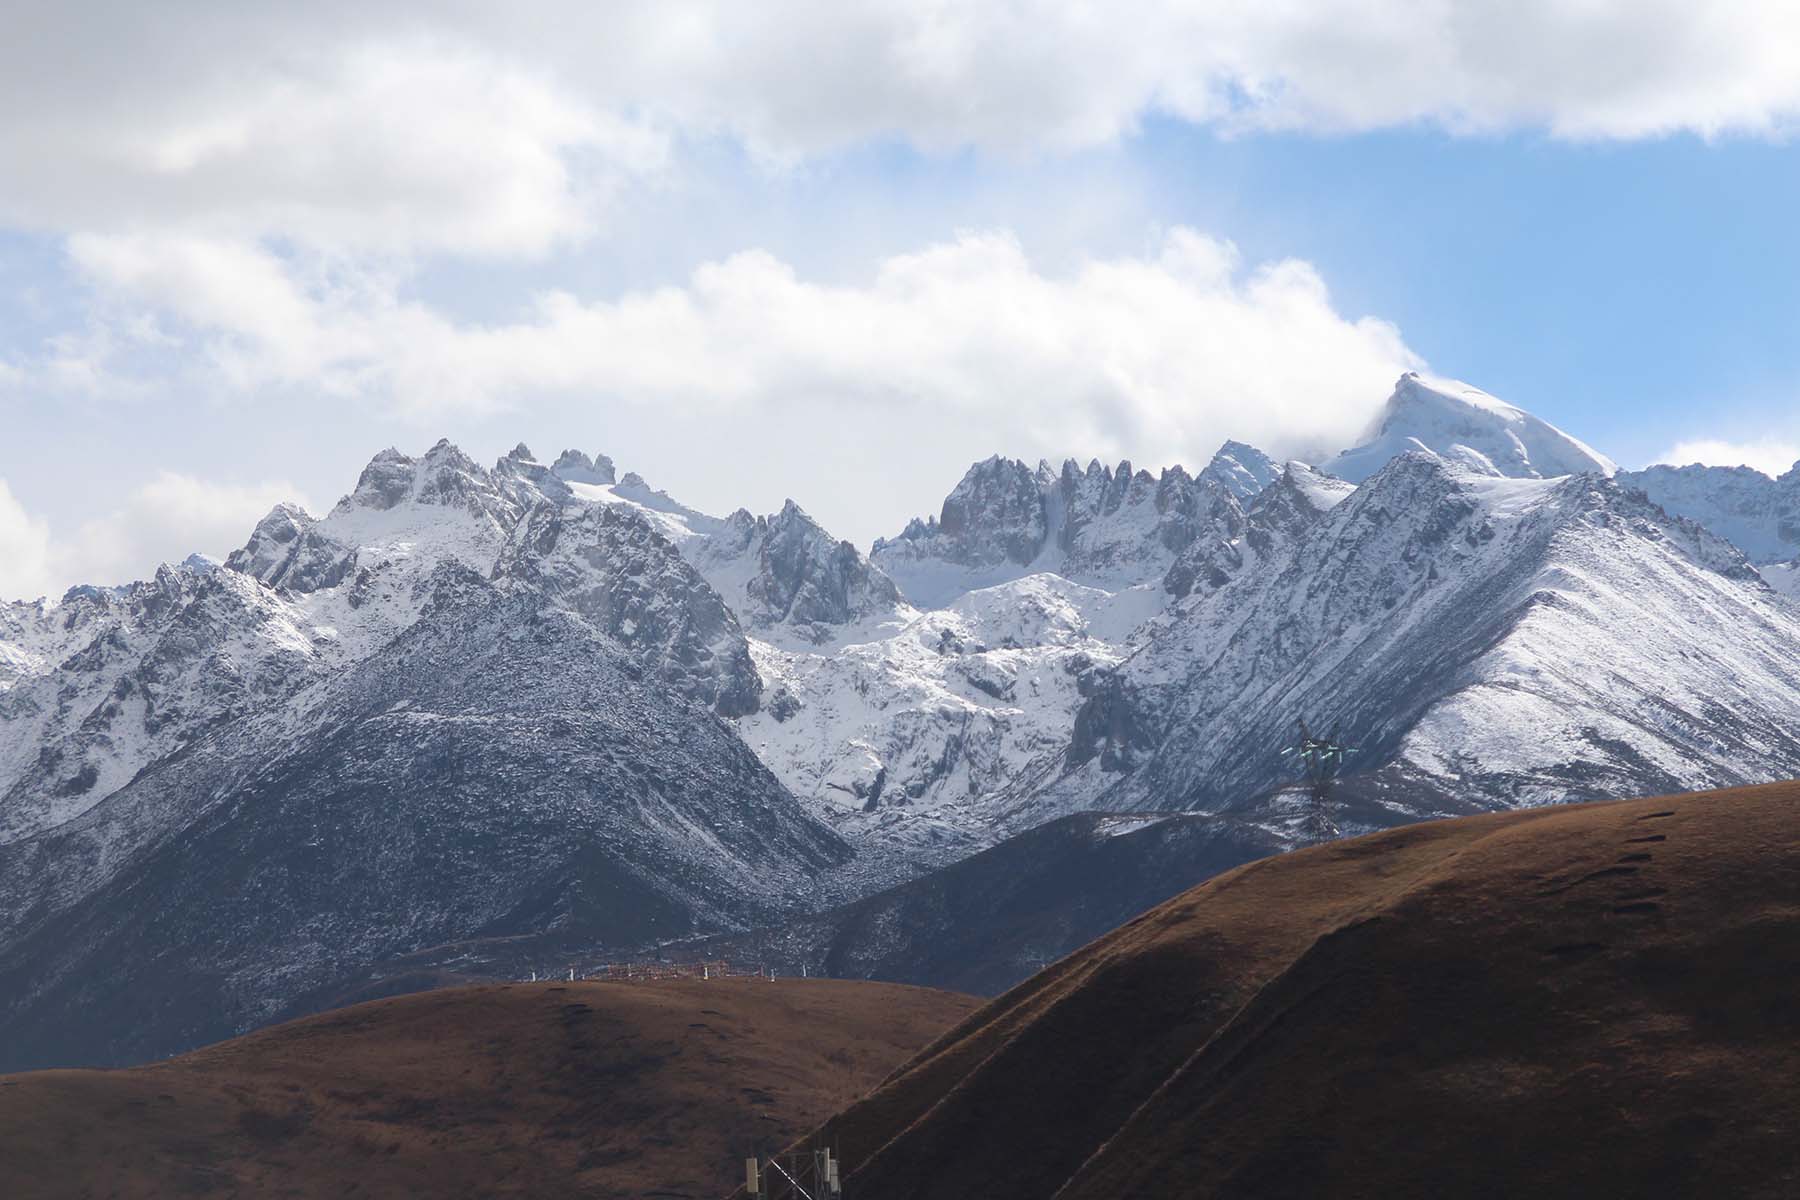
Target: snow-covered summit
1243,469
785,572
442,477
1466,425
573,466
528,482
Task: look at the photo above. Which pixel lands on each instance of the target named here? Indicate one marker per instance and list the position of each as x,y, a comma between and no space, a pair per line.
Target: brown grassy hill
583,1089
1600,1000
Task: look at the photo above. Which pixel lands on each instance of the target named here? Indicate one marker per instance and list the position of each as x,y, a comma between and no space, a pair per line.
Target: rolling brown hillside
1600,1000
583,1089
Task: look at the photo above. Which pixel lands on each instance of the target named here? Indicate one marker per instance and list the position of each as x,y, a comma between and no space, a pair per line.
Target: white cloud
165,520
1773,456
24,550
1173,349
415,143
929,358
402,125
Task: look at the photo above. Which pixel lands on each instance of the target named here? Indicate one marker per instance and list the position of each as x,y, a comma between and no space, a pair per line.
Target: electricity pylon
1320,758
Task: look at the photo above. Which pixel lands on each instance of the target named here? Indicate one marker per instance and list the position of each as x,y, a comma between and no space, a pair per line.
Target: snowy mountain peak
1242,468
526,481
994,512
444,476
786,572
1278,514
1468,426
1519,640
287,549
576,467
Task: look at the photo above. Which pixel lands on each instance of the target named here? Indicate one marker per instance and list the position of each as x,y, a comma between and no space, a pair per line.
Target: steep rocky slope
1102,527
791,581
500,767
610,564
109,681
1527,641
1760,515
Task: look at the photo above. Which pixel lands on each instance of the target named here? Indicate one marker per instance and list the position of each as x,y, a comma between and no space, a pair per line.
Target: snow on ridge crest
1507,641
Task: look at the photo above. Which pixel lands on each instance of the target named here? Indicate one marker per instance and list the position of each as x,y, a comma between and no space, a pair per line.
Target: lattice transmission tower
1320,759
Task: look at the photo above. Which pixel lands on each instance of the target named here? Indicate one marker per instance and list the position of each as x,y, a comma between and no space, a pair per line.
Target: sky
838,252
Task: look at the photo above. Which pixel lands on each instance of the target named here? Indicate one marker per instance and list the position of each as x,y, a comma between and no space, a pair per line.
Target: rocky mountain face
109,681
1286,506
1103,527
500,768
608,563
1115,729
572,466
785,572
1525,641
463,702
903,740
1760,515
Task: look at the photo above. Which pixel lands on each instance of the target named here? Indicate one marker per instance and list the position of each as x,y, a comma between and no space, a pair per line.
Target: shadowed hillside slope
581,1089
986,923
1583,1001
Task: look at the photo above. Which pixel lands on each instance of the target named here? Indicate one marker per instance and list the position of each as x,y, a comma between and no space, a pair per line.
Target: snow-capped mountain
485,694
109,681
1522,641
1760,515
501,767
903,740
1467,426
1104,527
791,580
546,698
572,466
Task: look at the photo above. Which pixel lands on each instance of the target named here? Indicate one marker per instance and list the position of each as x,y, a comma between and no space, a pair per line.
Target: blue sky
1640,294
841,263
